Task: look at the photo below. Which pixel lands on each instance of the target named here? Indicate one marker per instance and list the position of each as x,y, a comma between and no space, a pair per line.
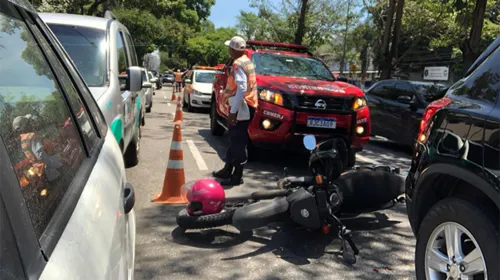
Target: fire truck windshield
291,66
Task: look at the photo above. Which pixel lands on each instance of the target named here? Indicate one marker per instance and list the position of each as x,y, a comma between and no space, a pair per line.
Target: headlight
272,97
359,102
195,92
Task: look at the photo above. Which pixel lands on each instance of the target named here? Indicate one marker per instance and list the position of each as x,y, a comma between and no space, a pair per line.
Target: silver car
148,90
102,50
66,208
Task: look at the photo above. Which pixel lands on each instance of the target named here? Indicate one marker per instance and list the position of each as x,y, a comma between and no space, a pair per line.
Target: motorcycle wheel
185,221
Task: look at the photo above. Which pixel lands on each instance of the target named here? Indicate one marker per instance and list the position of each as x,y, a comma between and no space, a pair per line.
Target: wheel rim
452,253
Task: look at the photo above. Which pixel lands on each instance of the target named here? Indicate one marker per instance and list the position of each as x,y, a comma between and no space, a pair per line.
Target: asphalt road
165,252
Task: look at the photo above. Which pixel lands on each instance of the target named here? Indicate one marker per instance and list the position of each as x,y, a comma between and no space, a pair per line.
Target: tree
301,22
250,25
208,48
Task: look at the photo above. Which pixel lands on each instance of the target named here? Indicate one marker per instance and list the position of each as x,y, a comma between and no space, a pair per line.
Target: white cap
236,43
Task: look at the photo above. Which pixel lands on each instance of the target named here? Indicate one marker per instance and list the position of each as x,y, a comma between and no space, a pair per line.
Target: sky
224,12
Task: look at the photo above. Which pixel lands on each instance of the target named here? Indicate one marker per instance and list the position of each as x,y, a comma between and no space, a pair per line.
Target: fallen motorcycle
313,202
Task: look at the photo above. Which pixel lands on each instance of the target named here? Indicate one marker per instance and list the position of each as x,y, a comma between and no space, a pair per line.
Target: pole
345,38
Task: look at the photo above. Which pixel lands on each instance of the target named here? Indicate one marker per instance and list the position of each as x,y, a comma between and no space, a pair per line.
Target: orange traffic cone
174,96
178,112
174,176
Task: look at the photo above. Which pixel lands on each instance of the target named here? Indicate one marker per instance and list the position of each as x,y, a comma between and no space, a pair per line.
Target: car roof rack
196,67
109,15
278,46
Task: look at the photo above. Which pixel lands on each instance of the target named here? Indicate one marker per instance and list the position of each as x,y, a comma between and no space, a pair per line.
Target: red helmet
205,196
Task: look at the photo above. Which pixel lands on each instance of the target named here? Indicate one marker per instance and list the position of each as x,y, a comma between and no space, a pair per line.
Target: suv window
36,125
123,63
88,132
484,83
383,90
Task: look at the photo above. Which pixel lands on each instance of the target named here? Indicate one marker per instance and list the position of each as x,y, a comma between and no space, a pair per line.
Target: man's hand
225,97
231,118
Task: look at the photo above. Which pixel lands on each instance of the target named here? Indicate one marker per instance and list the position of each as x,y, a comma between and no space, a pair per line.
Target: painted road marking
197,156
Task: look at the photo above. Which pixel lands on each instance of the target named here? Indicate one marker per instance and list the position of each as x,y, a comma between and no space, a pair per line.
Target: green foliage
208,48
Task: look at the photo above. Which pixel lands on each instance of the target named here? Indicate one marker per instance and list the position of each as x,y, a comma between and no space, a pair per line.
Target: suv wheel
215,127
457,240
132,154
351,160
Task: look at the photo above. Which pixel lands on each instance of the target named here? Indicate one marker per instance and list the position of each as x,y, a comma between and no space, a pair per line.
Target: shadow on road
374,234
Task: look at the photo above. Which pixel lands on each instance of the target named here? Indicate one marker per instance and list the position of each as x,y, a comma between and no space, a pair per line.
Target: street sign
436,73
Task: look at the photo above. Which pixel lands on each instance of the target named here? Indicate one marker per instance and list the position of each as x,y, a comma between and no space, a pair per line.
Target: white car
148,86
198,89
65,204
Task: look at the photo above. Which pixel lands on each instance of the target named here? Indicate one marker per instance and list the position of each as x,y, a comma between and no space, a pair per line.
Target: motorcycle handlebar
294,181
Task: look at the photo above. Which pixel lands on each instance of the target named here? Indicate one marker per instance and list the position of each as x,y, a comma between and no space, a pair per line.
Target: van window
87,48
123,63
36,125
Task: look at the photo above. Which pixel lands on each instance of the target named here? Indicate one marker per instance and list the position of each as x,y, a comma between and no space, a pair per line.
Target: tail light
429,112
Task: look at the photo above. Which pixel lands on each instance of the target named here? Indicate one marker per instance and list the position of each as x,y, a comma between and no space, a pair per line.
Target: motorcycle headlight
271,97
359,102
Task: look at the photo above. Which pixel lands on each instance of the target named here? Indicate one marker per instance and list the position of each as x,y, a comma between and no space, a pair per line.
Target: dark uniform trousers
237,152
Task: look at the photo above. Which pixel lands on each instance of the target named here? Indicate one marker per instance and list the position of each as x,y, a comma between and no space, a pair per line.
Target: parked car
198,90
169,78
159,79
148,90
104,69
397,106
452,189
153,79
297,95
66,207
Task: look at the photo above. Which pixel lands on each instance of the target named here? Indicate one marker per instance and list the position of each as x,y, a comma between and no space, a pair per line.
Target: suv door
130,111
376,97
405,118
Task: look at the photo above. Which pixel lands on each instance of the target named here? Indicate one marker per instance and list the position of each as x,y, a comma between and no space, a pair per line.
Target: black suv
452,188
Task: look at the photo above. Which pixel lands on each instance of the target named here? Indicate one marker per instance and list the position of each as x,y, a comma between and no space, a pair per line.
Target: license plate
322,123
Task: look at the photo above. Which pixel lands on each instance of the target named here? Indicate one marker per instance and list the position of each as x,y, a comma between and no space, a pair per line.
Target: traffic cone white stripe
175,164
176,146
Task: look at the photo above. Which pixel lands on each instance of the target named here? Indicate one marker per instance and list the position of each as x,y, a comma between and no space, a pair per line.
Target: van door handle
129,198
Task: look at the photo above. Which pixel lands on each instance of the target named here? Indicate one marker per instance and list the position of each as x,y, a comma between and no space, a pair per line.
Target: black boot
235,179
225,172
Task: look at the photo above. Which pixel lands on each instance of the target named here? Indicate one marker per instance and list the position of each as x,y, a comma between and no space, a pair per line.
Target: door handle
129,198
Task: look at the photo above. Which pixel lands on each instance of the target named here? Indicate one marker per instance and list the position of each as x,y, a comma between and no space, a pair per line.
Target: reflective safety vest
178,77
26,139
247,65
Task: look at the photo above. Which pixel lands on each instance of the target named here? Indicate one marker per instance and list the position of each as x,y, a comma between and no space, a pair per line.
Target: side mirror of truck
131,80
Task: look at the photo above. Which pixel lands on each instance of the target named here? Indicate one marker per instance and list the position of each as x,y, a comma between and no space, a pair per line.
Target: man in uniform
241,93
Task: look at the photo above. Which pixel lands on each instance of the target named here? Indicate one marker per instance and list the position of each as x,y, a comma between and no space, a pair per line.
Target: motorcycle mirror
309,142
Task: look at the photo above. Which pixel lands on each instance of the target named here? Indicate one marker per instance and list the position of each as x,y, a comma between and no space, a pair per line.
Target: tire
466,215
143,119
215,128
185,221
190,108
148,109
133,150
184,103
351,160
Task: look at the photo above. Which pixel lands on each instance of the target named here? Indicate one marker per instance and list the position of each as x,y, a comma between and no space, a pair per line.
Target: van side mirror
187,81
147,85
132,80
404,99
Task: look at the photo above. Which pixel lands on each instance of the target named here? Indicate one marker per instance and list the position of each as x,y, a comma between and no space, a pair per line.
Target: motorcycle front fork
348,248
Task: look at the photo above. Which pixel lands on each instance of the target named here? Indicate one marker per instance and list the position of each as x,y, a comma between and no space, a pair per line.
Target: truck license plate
322,123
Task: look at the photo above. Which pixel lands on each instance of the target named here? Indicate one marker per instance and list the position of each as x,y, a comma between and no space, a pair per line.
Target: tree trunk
395,36
471,47
302,22
364,64
386,67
